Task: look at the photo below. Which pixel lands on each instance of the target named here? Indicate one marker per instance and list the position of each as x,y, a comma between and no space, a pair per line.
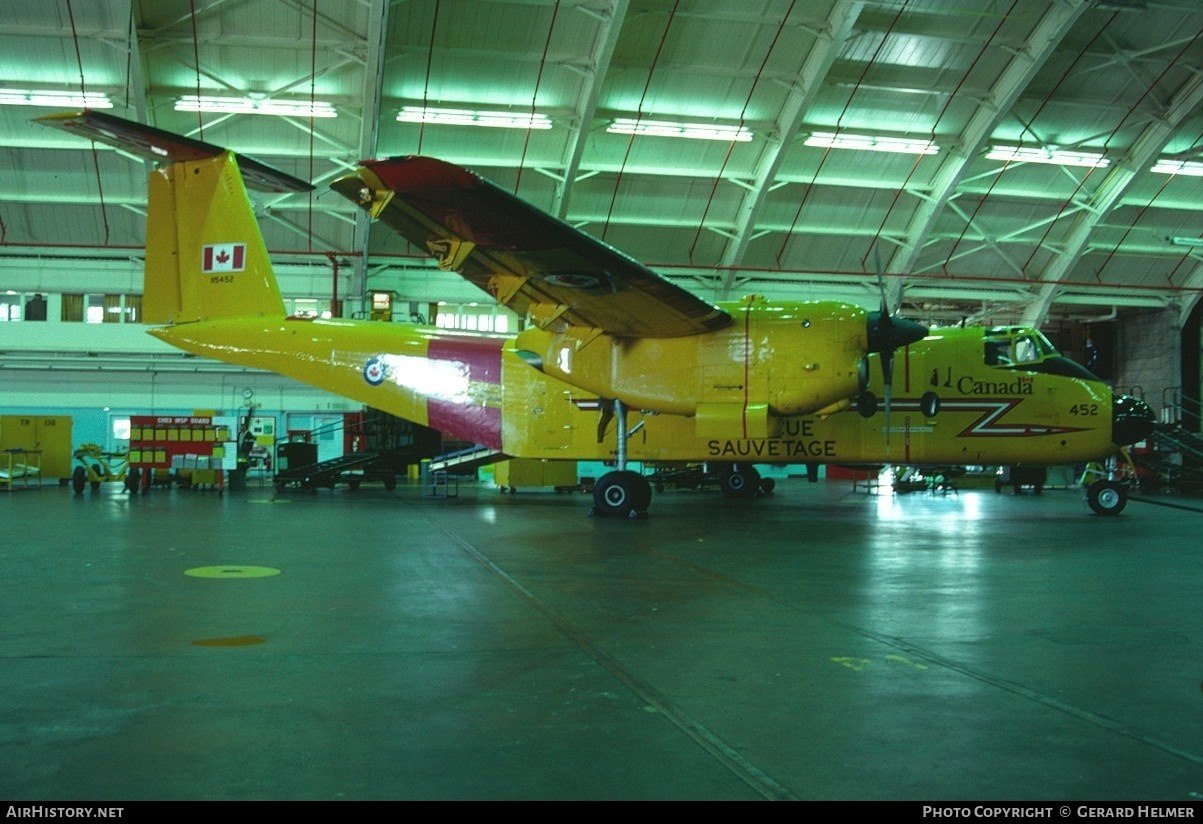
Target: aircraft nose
1131,420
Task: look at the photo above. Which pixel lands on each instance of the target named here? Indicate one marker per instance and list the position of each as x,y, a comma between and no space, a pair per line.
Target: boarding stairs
440,474
352,468
1173,458
462,460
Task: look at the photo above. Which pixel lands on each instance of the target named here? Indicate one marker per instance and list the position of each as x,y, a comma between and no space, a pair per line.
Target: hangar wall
1149,356
313,276
77,368
94,398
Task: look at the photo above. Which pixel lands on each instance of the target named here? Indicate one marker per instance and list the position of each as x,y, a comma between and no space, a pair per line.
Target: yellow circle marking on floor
237,641
232,572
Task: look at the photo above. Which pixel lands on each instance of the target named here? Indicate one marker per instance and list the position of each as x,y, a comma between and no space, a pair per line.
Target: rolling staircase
462,460
440,474
1174,459
353,469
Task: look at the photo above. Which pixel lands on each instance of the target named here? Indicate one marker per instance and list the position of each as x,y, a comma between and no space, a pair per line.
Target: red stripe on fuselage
478,424
482,356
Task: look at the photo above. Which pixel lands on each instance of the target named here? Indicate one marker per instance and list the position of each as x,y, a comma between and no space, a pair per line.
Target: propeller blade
887,374
888,333
881,282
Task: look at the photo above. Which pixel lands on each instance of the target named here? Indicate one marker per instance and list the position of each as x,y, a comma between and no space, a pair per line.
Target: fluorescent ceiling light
870,143
471,117
668,128
55,99
1192,242
1178,167
1056,157
247,105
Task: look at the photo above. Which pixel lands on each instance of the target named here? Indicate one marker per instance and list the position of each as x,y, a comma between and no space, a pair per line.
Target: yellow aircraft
615,363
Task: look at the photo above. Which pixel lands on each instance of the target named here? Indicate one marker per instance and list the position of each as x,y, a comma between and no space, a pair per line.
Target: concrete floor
817,644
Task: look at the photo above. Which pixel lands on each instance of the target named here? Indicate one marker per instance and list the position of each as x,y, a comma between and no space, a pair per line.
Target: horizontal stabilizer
160,146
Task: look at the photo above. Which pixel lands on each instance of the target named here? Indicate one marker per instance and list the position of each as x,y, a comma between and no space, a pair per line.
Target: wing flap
530,261
161,146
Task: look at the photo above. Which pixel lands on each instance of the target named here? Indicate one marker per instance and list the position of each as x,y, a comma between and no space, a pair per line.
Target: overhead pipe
997,178
1131,110
935,124
672,15
555,12
742,118
336,309
839,124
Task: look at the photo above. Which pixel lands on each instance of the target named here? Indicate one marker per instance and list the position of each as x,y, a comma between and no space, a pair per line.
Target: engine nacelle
775,359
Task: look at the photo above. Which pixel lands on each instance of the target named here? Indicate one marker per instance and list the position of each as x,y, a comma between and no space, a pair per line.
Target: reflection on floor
817,643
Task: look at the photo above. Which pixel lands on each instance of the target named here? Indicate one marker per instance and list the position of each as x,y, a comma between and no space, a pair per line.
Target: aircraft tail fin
205,256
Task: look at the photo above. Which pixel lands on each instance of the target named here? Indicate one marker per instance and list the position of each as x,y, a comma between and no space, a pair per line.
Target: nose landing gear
1107,486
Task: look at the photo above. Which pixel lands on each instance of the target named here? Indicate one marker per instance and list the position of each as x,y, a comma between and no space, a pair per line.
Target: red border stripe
482,356
478,424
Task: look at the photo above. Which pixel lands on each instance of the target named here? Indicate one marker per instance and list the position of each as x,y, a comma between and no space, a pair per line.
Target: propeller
888,333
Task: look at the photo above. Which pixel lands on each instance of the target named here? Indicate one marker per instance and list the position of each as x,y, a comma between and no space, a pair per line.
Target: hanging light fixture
474,117
250,105
1055,157
670,128
871,143
55,99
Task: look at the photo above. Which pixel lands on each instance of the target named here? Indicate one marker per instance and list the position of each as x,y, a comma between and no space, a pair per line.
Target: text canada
971,386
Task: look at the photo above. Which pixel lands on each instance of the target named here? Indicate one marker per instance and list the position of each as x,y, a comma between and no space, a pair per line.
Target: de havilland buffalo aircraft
614,363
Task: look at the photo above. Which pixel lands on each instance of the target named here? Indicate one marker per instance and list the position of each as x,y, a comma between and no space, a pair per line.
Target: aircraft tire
740,482
622,494
1107,497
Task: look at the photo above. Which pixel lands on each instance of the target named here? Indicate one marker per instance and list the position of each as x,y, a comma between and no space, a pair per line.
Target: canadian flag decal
223,257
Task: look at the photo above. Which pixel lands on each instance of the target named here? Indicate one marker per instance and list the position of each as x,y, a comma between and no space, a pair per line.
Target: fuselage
956,400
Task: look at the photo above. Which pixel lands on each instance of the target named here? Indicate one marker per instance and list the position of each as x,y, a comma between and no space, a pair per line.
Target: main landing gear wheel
623,493
740,482
1107,497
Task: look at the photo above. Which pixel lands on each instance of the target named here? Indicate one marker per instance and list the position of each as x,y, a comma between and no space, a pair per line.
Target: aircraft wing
530,261
160,146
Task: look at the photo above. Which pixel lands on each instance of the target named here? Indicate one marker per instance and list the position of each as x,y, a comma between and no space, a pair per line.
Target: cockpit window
1014,347
1026,350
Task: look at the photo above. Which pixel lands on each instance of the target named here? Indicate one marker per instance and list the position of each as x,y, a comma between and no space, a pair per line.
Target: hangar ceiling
793,199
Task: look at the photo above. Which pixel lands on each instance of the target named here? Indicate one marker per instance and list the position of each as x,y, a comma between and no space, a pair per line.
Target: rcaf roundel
223,257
